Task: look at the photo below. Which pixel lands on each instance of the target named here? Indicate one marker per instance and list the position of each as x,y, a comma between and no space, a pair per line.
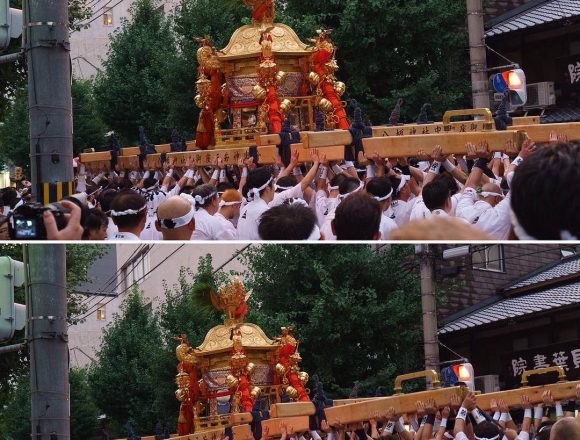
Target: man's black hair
435,194
106,198
337,180
486,430
128,200
224,186
545,192
287,222
96,219
358,217
286,182
205,191
187,190
379,186
450,181
256,179
348,185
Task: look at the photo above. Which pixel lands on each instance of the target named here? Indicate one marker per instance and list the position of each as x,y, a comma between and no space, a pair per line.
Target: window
108,17
101,312
137,269
489,258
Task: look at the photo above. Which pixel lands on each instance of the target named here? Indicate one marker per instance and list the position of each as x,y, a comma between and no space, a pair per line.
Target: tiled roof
557,115
500,307
559,269
507,308
532,14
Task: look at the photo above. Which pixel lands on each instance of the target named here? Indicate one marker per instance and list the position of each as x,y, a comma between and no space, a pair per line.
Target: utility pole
48,341
477,54
46,43
430,340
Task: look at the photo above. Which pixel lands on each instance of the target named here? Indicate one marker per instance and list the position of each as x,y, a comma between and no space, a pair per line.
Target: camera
27,222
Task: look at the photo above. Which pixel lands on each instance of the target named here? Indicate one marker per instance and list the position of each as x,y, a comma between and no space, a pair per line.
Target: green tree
131,90
14,133
15,414
357,309
416,50
88,127
122,380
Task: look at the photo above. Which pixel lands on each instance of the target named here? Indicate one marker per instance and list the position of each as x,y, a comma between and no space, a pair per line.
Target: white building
148,265
89,46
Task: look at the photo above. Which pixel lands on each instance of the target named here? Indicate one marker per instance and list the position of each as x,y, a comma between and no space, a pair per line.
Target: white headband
127,212
179,222
485,438
199,200
360,187
491,194
388,196
283,188
224,203
404,179
332,188
255,192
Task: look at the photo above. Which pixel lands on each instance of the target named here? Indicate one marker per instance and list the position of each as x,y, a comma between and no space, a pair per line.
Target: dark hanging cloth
288,136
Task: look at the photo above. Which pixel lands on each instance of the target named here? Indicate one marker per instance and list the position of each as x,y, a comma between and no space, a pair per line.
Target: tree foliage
356,309
123,382
15,416
131,90
88,127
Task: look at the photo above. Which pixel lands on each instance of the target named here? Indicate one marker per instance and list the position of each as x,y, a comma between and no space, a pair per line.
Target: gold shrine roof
218,339
245,43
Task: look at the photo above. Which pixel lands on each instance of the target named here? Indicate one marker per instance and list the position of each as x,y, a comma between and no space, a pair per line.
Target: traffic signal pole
48,341
429,310
46,43
477,54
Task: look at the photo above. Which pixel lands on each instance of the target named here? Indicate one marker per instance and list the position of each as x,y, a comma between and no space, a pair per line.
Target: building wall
164,261
477,284
89,46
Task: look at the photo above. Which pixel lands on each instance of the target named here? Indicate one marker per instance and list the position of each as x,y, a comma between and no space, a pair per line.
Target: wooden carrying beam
240,418
298,423
560,391
450,143
403,404
242,432
214,434
541,132
266,155
340,402
292,409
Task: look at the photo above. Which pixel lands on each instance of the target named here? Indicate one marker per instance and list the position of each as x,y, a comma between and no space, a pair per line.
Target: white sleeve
81,183
523,435
292,193
465,205
461,436
174,191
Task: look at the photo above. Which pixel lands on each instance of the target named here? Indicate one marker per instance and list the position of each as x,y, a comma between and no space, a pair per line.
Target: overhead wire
88,313
112,278
93,308
95,17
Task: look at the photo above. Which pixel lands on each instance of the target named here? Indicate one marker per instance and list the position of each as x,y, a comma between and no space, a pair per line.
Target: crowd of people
550,420
527,194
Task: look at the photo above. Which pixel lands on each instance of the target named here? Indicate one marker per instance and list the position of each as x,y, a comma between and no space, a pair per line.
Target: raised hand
430,406
503,407
483,150
511,149
437,154
469,402
455,402
470,151
528,148
445,413
526,403
420,406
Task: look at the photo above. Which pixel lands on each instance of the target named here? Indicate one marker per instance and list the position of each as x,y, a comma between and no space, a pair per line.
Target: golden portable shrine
264,75
236,367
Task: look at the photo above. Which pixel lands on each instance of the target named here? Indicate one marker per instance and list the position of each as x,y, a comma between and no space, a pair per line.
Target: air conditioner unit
487,384
541,95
